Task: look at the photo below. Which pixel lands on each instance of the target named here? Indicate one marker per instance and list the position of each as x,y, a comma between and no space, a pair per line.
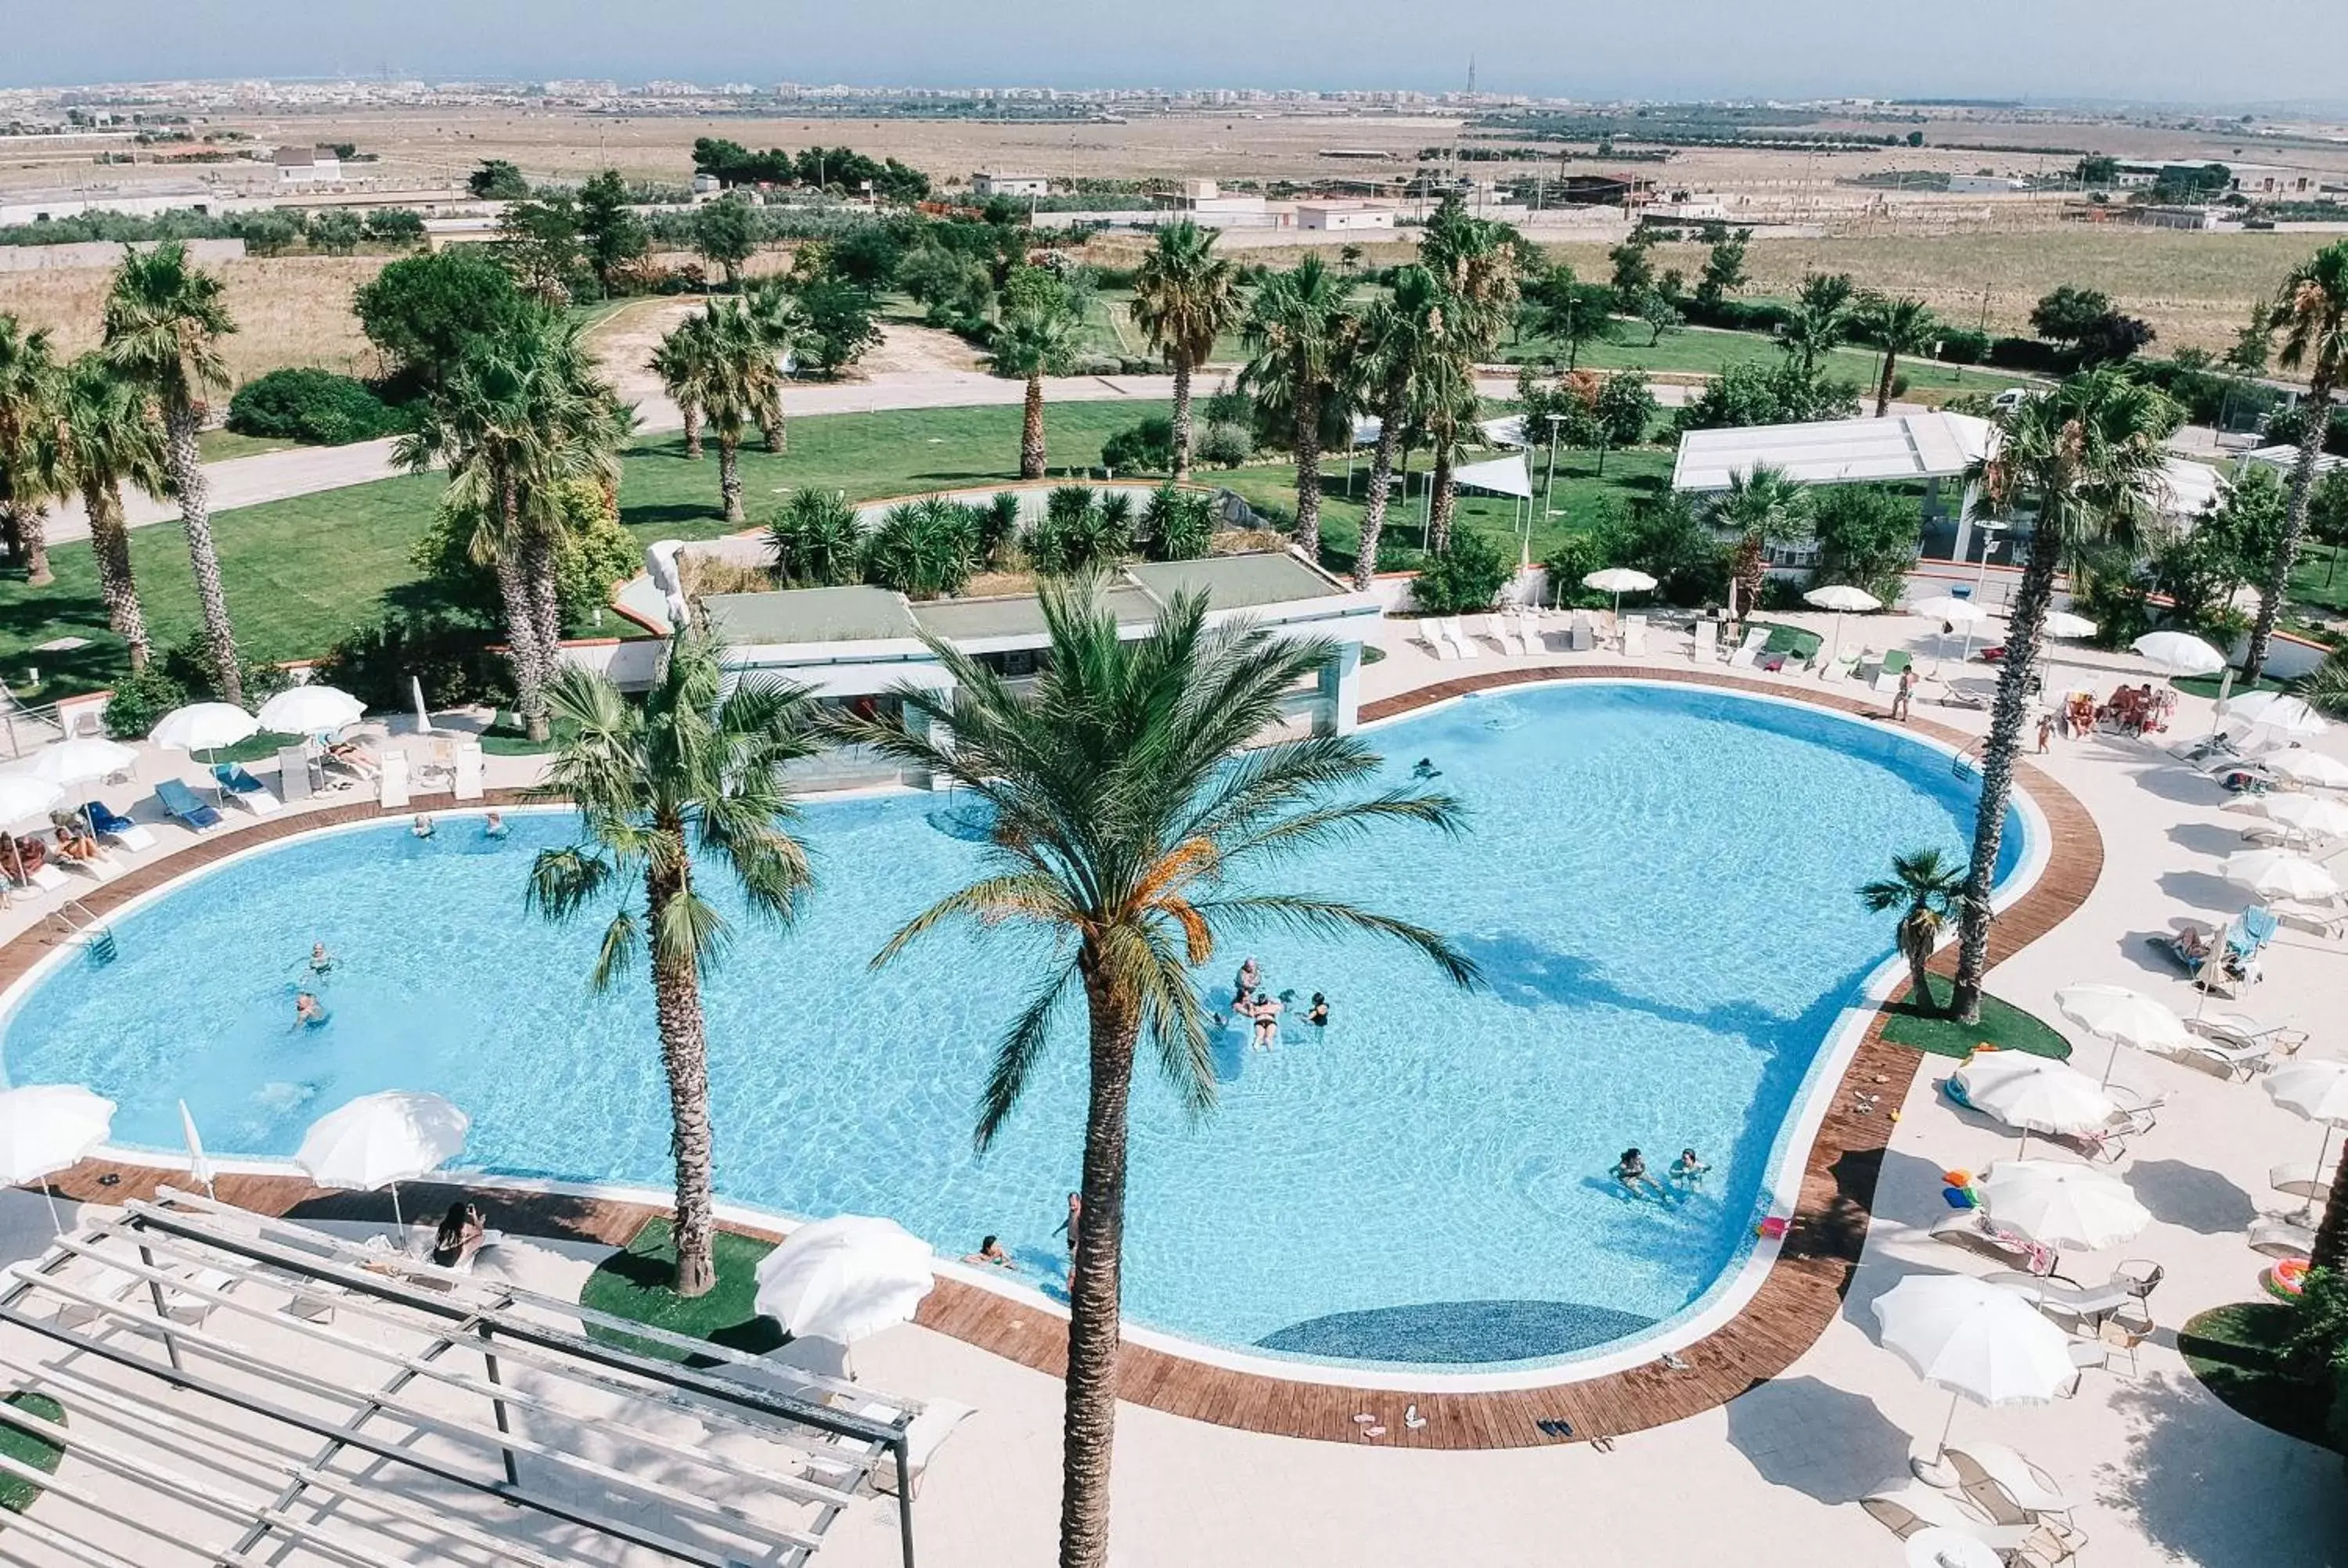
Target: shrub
1222,445
1146,447
450,655
998,524
1467,576
1575,557
2026,353
593,554
1962,345
139,699
1178,525
1077,532
923,549
817,540
316,406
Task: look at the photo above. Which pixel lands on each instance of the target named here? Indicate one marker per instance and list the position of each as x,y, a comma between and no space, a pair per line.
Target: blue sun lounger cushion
180,802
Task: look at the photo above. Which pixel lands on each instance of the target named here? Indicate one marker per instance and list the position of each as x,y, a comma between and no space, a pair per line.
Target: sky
2243,51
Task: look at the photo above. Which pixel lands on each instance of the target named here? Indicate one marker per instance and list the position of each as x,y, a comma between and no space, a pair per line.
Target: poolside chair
2277,1237
2221,1058
924,1435
2241,1029
1706,648
1895,663
1464,645
2304,1181
394,781
114,828
1905,1505
294,773
1430,637
470,765
1500,630
2328,919
180,803
1972,1230
1529,628
246,790
1580,637
1749,650
2009,1487
2086,1307
1634,637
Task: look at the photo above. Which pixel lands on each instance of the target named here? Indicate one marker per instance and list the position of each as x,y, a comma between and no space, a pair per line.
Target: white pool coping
1719,1305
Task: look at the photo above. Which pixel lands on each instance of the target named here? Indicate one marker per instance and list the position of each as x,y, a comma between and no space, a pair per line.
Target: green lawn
634,1285
216,445
2319,577
2235,1351
2001,1024
1709,351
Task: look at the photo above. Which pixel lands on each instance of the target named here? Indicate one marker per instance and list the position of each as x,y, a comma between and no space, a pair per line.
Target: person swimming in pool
1688,1171
309,1012
320,960
1424,768
494,825
1318,1014
1631,1169
1250,977
422,827
1266,1013
990,1251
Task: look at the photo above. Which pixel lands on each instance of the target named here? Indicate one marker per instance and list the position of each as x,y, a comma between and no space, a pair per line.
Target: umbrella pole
2109,1062
58,1219
1934,1471
2323,1152
397,1223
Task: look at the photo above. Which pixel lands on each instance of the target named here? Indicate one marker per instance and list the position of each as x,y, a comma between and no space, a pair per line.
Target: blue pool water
1658,882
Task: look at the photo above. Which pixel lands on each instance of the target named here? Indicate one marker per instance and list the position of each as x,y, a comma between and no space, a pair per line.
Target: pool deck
2162,1472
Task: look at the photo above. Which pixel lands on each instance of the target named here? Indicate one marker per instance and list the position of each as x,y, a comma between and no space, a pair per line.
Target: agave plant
817,540
923,549
1075,537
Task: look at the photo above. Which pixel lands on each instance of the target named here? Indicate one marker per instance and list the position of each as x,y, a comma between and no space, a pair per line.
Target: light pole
1548,484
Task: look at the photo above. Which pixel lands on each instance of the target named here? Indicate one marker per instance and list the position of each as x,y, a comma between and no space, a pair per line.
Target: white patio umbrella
2062,623
1842,598
310,711
2316,815
45,1127
382,1140
2316,770
80,759
200,1165
1980,1341
845,1277
2123,1016
23,795
1948,609
2318,1091
2280,873
2033,1093
203,727
2180,654
2061,1204
1617,581
2285,715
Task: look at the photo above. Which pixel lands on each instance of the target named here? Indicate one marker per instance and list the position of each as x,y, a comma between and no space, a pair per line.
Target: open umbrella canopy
310,711
2180,654
1974,1339
378,1139
2280,873
2063,624
2302,767
79,760
2277,712
2315,1090
203,727
2128,1017
1948,606
23,795
1841,595
844,1279
45,1127
1618,579
2061,1203
2036,1094
2319,815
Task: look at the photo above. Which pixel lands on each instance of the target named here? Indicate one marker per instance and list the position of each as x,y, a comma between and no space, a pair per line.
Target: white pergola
243,1390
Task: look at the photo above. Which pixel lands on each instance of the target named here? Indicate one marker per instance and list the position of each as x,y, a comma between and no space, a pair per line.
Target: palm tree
2087,455
2312,312
107,439
734,383
1928,885
692,768
1901,327
1476,263
1820,320
774,311
1763,506
1132,813
1038,338
164,320
1184,298
1400,343
674,360
1297,332
28,467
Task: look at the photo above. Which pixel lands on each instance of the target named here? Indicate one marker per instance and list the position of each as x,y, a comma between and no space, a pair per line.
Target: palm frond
1323,916
1015,1058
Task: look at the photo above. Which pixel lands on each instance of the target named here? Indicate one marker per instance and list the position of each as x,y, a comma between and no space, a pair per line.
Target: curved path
1800,1295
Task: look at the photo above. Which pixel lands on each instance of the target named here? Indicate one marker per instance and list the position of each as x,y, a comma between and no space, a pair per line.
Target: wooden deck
1800,1296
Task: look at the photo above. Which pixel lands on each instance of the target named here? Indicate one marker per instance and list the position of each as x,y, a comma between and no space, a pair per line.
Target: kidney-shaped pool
1658,882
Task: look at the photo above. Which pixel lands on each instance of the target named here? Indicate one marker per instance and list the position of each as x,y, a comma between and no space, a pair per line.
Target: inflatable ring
2288,1278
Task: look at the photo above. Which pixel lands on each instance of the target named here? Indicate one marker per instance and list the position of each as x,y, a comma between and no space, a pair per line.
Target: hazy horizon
2146,53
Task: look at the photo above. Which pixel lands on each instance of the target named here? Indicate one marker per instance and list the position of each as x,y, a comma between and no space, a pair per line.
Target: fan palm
1298,332
734,385
676,360
163,324
2312,312
2088,457
106,439
1401,344
774,314
1184,298
1927,886
694,767
1763,506
28,456
1038,338
1131,820
1902,326
1819,322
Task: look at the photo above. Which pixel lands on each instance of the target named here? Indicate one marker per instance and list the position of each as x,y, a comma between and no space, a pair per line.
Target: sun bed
2328,919
2009,1487
1971,1230
1634,637
294,773
1749,649
1430,637
2085,1305
2302,1181
246,790
2222,1057
180,803
1460,640
1706,648
1895,664
1905,1505
116,828
2282,1238
1580,637
471,766
394,781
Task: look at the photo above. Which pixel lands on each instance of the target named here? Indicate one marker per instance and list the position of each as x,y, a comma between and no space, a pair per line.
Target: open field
290,310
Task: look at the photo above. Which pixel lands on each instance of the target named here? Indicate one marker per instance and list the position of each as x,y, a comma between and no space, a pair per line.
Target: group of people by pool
493,826
1685,1174
1250,1000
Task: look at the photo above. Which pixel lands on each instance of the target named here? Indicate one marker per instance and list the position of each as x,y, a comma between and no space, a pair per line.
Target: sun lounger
2222,1057
1465,644
1971,1230
2328,919
924,1435
2089,1306
2007,1487
1887,678
2282,1238
1634,637
1430,637
471,766
294,773
111,827
180,803
1579,637
2302,1181
1706,648
246,790
1502,630
1905,1505
98,867
1749,650
394,781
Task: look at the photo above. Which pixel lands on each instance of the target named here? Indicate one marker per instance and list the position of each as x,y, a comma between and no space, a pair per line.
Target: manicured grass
2320,579
17,1494
2001,1024
2207,685
2236,1352
634,1285
1710,351
218,445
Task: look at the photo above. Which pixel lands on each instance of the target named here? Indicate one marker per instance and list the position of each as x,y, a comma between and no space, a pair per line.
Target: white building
308,166
1206,202
1342,215
984,184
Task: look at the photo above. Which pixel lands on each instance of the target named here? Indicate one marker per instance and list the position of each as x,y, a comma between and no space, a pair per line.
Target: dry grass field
291,310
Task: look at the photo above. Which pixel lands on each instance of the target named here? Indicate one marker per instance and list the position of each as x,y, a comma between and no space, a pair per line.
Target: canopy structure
1834,451
241,1390
1502,477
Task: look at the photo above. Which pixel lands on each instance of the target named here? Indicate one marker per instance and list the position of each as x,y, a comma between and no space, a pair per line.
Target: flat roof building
986,184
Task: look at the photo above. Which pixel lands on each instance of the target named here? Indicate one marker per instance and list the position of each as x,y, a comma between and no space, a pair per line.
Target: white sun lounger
1580,637
1430,637
1465,644
1750,649
394,781
2304,1181
46,878
470,768
1706,648
2328,919
2240,1028
246,790
2282,1238
1529,629
2008,1487
1904,1506
1634,637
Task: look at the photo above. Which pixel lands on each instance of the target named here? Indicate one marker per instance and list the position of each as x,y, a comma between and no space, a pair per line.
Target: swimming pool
1658,883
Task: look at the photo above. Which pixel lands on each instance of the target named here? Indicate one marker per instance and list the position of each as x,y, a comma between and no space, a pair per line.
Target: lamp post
1548,484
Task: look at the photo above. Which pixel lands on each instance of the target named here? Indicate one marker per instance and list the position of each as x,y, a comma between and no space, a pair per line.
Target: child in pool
309,1012
1318,1014
494,825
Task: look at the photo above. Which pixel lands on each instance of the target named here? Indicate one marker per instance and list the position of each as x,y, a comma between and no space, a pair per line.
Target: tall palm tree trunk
685,1056
30,535
109,541
1373,511
1883,385
770,426
1308,471
1917,948
2008,714
2277,587
1030,431
729,471
1182,416
1447,498
692,412
541,579
1090,1425
187,469
522,646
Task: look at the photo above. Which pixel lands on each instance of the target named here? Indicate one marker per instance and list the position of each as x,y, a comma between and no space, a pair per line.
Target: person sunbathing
30,857
73,845
460,1235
